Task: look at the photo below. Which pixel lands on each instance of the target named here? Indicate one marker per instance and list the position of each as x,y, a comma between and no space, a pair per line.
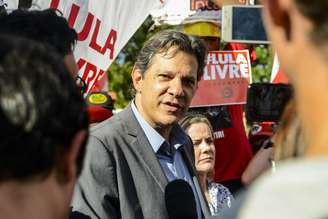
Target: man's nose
176,88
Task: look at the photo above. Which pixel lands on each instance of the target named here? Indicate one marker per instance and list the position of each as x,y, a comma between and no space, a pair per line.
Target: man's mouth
173,106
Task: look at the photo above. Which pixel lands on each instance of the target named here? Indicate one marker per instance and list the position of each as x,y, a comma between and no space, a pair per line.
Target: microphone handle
203,202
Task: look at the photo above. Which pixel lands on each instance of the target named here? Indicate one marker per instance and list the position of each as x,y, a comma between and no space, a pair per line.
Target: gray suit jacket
122,177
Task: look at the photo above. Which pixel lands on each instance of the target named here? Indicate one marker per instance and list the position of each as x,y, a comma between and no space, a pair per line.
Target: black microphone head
180,200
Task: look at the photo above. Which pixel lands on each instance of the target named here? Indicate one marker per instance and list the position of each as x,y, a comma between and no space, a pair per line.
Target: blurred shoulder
295,186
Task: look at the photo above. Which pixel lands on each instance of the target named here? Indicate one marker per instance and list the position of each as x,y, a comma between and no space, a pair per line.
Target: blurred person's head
165,77
44,125
199,128
46,26
299,32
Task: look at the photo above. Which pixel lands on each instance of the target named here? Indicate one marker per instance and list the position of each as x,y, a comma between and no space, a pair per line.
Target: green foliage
120,82
262,66
120,70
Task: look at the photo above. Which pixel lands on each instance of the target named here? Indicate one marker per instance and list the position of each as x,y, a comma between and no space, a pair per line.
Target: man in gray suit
132,156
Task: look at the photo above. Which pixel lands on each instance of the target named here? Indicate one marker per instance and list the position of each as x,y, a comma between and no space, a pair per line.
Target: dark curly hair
41,110
46,26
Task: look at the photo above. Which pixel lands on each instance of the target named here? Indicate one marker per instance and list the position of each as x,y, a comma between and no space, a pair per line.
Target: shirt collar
177,138
154,138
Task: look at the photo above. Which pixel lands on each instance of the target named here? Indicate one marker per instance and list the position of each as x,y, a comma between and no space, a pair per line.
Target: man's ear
69,162
137,79
278,17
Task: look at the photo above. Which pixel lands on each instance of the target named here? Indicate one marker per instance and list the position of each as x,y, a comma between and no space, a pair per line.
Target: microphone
180,200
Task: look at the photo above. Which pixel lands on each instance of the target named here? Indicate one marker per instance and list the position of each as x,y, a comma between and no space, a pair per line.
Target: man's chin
169,121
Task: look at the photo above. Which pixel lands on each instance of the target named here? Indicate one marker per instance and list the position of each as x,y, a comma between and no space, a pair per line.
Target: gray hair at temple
163,41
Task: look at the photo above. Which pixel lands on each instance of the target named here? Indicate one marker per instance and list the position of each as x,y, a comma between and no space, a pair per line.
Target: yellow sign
97,98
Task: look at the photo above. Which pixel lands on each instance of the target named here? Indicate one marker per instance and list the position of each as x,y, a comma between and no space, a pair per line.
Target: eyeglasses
81,84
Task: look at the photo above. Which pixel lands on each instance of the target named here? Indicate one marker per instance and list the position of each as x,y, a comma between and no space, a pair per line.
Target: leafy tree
120,70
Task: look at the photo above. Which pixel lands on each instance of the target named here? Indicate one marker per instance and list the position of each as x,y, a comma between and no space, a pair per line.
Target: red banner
225,80
103,28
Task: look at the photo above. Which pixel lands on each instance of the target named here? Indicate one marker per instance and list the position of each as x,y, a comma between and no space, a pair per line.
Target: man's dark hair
41,110
45,26
316,12
163,41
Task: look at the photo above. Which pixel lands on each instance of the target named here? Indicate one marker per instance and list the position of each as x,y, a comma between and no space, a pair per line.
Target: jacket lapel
142,148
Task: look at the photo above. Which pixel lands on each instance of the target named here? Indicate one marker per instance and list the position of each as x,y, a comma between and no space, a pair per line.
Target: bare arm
259,164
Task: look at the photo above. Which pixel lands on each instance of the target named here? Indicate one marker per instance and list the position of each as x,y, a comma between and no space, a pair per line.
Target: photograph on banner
226,78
